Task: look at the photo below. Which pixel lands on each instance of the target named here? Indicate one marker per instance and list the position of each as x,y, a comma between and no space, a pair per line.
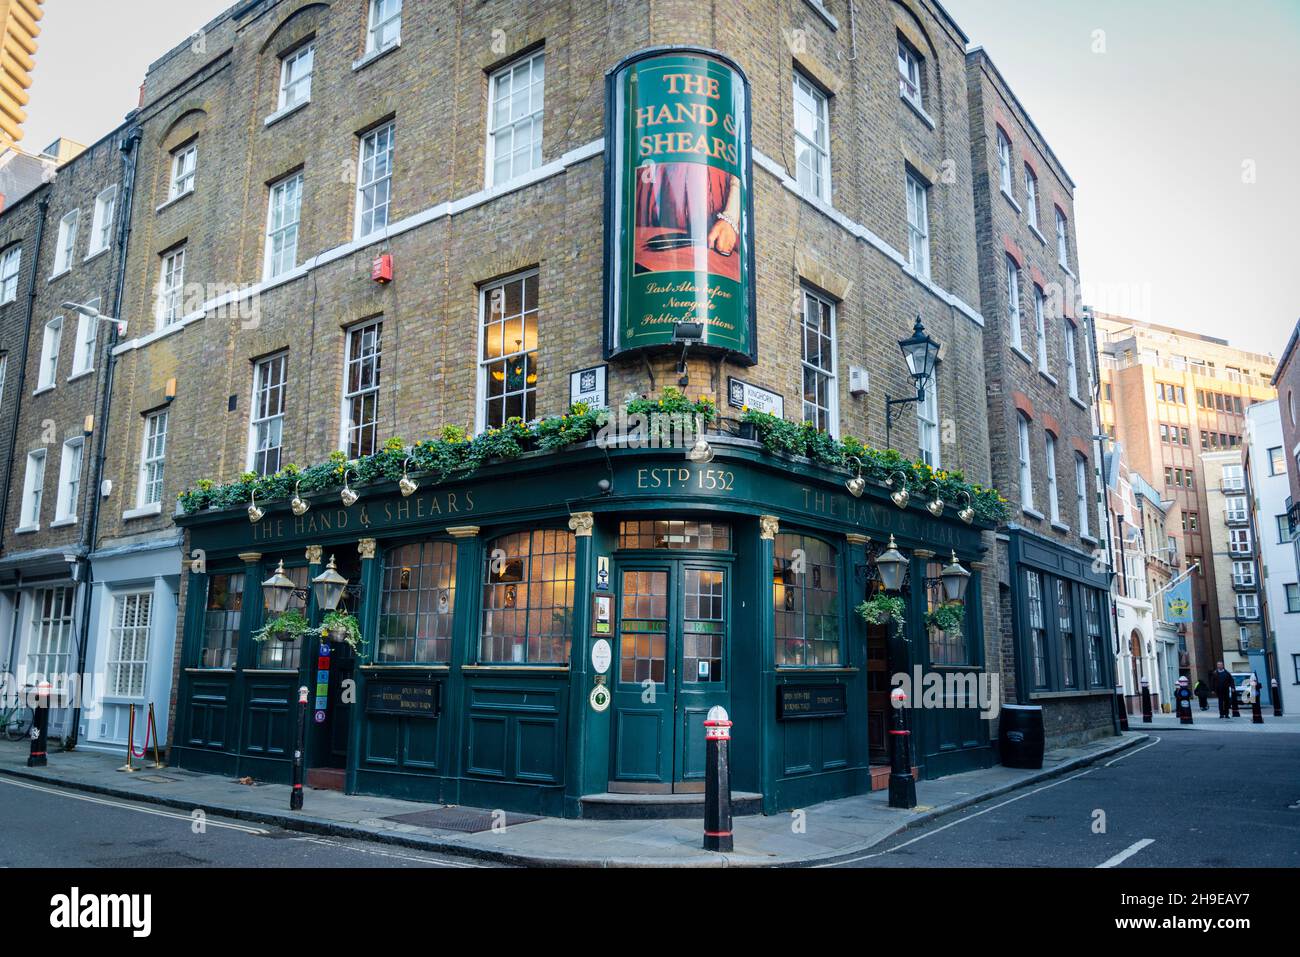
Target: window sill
825,14
1031,513
1041,238
1079,402
1022,353
518,668
79,375
374,55
1048,376
281,113
1060,527
1010,199
60,274
1072,693
43,389
95,254
917,109
26,529
1068,271
8,302
1088,540
143,511
174,200
64,522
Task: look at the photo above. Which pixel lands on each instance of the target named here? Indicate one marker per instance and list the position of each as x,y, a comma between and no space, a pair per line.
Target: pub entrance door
672,664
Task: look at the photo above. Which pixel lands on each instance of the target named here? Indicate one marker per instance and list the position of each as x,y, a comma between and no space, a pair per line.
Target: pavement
1210,721
819,834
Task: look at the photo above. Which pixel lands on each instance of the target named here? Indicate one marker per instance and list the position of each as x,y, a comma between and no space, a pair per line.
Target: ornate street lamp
920,352
892,566
277,591
328,587
954,579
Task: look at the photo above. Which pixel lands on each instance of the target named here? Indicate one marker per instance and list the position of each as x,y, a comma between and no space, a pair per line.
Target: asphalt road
1191,799
43,826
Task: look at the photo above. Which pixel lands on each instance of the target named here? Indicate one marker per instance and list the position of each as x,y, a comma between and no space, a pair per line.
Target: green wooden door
671,667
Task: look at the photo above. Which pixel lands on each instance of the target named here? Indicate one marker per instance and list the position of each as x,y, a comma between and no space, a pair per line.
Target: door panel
645,677
705,666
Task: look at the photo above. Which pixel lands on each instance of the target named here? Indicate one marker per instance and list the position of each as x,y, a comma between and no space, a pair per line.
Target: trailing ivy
881,609
946,617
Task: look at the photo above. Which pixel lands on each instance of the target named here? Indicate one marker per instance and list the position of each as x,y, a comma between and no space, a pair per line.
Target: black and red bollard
1123,707
1146,701
717,781
295,796
1277,698
902,785
40,733
1256,706
1183,702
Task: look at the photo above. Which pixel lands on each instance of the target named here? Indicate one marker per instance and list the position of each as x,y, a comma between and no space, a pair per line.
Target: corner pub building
546,633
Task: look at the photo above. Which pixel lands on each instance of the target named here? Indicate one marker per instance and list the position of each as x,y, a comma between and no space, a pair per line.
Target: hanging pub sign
679,239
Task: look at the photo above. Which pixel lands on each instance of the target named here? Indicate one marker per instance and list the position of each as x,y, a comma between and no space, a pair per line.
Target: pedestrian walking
1224,688
1202,691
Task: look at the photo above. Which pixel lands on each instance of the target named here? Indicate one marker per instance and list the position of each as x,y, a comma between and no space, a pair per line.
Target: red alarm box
381,270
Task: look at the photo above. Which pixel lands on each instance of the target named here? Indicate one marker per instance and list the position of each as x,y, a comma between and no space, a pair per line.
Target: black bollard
1146,701
1183,702
295,797
717,781
1236,702
1123,708
1277,698
1256,706
902,786
40,733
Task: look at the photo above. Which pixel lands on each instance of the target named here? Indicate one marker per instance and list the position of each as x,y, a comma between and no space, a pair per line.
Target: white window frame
1234,508
487,325
1026,462
1031,196
266,412
918,225
1248,606
101,225
171,288
1062,239
185,165
1239,542
4,369
33,490
534,119
813,178
1081,493
1053,499
1013,304
128,646
153,460
373,356
377,30
49,644
927,422
69,489
372,178
820,369
51,340
291,86
1004,161
1234,478
280,197
10,266
1243,573
1071,360
83,352
66,249
1040,327
909,75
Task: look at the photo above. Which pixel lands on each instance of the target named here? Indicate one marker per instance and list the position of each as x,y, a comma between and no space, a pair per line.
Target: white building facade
1266,460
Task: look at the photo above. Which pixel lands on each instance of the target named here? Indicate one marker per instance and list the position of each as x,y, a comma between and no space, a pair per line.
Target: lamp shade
954,578
277,591
920,352
892,566
329,586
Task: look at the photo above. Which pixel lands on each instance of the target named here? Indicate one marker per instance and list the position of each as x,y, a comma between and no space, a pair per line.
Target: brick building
1168,397
1038,349
356,224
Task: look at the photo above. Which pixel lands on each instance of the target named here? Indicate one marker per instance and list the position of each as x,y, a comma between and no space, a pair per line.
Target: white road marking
963,820
1125,854
400,857
131,807
1129,754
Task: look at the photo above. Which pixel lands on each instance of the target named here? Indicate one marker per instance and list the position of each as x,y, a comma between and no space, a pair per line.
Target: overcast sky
1158,119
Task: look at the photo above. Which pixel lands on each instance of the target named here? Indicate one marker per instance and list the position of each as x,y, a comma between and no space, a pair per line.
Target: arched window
806,602
419,600
528,598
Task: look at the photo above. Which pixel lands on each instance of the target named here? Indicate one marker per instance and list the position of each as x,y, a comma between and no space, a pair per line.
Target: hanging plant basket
883,609
342,628
946,617
288,626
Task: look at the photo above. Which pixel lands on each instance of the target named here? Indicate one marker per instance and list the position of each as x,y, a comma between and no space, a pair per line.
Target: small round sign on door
599,698
601,656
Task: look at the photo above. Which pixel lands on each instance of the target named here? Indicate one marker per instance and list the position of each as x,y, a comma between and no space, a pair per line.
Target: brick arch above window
295,27
1018,255
1024,405
191,120
1051,425
1081,446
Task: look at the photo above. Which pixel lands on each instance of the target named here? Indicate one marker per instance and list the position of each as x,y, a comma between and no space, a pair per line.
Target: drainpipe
130,152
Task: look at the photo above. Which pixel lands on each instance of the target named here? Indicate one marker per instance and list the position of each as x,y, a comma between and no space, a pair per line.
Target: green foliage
881,609
946,617
674,402
340,626
288,626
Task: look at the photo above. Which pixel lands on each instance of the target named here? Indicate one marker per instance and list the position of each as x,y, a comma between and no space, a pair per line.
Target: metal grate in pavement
465,819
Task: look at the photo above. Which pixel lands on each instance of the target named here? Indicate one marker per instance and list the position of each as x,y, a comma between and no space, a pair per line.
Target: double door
672,664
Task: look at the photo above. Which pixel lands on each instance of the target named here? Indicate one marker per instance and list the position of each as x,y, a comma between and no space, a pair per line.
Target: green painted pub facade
481,602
